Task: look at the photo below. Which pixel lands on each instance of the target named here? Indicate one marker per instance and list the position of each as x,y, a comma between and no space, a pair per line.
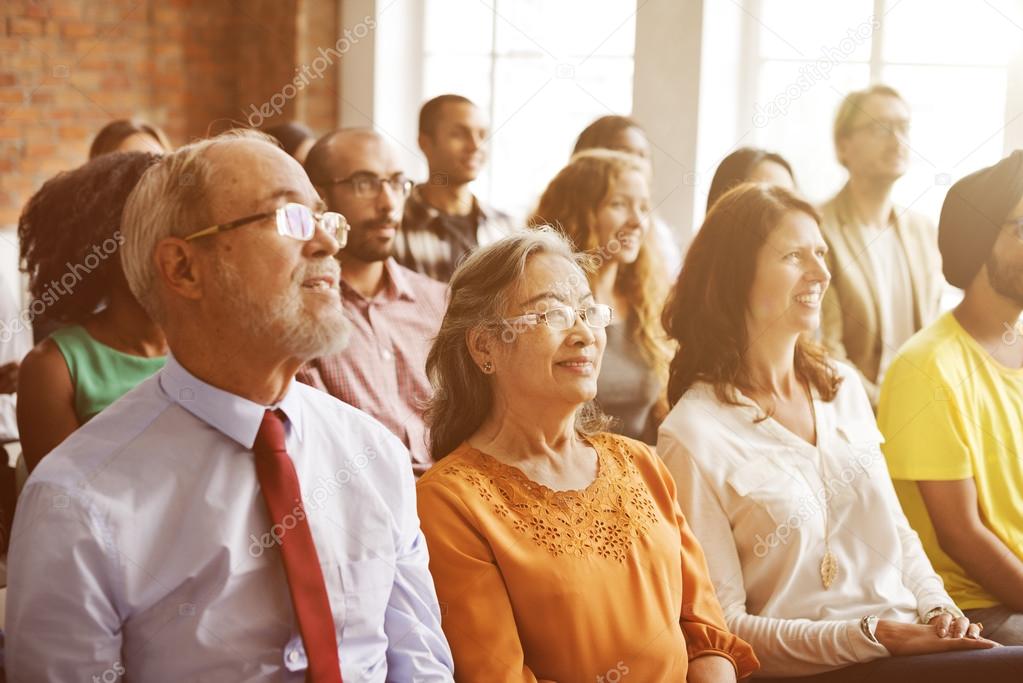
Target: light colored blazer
850,316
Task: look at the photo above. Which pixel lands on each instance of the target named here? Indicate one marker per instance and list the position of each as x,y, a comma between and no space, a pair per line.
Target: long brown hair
570,203
706,311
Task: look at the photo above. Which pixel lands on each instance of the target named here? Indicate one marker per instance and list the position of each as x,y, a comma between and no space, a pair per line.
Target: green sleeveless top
99,373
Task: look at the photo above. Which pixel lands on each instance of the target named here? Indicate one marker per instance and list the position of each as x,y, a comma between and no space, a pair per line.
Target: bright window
950,60
540,73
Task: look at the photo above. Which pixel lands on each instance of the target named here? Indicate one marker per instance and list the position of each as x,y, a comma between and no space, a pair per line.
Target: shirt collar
850,214
396,285
233,416
479,208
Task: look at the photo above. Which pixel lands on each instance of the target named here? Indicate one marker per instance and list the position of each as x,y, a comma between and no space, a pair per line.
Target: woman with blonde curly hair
601,201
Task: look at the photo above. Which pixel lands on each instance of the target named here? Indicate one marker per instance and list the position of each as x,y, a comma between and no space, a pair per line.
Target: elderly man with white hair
220,521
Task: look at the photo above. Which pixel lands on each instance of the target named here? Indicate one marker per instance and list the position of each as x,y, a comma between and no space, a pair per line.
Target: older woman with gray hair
558,550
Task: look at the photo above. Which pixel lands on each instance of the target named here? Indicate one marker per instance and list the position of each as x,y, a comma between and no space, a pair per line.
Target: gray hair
480,290
170,200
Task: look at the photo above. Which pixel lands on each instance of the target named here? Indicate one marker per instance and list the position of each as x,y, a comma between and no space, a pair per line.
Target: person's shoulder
698,413
454,475
627,451
851,401
937,346
102,443
917,222
456,462
435,290
830,211
346,418
353,430
844,370
44,359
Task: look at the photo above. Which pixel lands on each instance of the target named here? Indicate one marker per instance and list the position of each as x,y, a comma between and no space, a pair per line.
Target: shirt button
386,354
293,656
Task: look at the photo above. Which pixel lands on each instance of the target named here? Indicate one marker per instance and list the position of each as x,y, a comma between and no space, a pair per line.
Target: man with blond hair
884,262
220,521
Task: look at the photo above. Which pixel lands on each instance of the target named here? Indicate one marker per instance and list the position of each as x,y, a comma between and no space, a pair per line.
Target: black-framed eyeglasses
1017,227
369,186
293,220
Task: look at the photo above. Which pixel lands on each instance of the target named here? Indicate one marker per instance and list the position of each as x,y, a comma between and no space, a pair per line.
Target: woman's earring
488,367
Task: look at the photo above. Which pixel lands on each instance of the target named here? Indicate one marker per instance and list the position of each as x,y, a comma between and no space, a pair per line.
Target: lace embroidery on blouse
603,519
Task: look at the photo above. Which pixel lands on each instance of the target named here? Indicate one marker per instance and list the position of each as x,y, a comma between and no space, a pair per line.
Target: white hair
170,200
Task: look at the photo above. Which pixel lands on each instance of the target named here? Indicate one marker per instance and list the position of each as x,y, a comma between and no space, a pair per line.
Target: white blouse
755,496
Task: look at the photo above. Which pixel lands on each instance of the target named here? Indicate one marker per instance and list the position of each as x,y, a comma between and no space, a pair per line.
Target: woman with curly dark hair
70,233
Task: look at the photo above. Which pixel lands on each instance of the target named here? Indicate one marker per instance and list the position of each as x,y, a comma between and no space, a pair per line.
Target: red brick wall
190,66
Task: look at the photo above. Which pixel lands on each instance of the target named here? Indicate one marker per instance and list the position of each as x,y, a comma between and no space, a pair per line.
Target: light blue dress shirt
142,546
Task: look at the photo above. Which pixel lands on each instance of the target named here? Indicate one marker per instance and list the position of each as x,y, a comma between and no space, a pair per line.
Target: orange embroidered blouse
589,585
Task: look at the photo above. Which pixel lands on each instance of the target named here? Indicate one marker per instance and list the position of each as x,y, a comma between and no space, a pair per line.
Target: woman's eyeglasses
561,318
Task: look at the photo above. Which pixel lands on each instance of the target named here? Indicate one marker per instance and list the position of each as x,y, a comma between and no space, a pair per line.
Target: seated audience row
771,538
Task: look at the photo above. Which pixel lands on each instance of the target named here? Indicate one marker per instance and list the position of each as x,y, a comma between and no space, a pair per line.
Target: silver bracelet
868,625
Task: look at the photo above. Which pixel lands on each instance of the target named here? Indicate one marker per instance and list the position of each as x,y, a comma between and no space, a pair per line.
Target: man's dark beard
1005,279
363,249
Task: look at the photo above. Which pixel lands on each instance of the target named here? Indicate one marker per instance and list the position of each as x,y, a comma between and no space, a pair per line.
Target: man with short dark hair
221,521
394,312
952,407
443,220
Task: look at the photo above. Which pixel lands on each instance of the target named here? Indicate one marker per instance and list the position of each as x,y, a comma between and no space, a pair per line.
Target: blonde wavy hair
570,203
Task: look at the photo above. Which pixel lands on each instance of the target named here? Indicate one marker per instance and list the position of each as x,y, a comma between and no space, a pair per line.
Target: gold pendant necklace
829,563
829,568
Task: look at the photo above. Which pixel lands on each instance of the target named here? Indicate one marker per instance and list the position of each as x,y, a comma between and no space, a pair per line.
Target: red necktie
283,496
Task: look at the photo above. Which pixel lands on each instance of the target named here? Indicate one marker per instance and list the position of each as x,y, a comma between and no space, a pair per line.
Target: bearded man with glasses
221,521
394,312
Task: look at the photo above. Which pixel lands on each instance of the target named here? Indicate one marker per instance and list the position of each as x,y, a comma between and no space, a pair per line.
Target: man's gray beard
282,319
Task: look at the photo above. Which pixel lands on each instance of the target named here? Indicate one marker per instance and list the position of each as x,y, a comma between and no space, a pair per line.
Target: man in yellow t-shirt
951,407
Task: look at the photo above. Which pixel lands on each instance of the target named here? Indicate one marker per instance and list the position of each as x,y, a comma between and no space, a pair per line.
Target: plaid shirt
427,245
383,369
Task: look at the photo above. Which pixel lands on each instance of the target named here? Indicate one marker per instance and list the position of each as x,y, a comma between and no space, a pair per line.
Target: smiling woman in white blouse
776,456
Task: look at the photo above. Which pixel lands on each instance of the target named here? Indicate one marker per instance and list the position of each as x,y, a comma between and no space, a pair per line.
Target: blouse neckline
542,490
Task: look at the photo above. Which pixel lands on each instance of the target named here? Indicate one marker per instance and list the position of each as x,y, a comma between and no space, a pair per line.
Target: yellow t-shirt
949,411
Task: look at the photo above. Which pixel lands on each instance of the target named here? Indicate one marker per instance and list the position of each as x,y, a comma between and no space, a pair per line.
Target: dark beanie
973,214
